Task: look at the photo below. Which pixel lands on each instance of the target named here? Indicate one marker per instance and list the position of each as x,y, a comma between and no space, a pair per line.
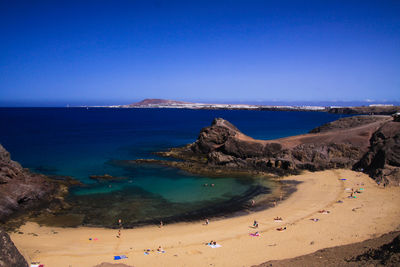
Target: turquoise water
79,142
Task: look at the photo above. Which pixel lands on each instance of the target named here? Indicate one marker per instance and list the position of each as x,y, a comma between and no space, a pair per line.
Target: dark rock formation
369,110
339,144
21,190
9,254
387,254
382,161
370,143
381,251
107,177
346,123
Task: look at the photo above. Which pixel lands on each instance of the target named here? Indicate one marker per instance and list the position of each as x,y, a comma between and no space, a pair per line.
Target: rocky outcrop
21,190
370,143
9,254
346,123
369,110
380,251
382,161
339,144
107,178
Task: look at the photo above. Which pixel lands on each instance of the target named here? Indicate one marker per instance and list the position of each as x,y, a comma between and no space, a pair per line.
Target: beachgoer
253,202
255,223
119,234
274,203
214,243
161,224
207,222
160,249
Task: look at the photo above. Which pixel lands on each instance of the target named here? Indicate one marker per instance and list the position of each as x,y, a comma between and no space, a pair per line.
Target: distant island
373,109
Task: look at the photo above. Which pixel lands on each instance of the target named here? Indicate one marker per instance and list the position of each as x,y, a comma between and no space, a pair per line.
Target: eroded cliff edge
368,143
22,191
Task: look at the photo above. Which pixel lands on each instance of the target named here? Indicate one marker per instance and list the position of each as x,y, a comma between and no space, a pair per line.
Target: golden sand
373,212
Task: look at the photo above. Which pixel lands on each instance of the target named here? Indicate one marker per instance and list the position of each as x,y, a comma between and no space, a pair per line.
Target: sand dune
373,212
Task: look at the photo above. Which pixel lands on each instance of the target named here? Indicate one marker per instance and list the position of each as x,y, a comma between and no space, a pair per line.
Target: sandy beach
372,212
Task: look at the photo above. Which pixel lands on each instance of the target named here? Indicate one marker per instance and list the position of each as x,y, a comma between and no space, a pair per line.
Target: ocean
80,142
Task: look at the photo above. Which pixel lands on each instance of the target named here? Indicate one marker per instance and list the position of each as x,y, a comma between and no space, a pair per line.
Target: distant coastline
380,109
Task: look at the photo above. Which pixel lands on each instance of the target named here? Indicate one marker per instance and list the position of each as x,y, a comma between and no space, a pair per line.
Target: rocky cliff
21,189
9,254
382,161
340,144
370,143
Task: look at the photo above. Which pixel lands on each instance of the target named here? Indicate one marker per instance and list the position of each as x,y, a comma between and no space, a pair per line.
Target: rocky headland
365,143
22,191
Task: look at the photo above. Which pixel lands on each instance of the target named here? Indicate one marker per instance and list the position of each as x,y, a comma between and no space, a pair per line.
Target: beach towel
278,221
37,265
254,234
120,257
343,179
162,251
146,253
214,246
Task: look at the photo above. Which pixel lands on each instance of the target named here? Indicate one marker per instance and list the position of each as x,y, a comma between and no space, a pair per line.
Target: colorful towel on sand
120,257
254,234
343,179
214,246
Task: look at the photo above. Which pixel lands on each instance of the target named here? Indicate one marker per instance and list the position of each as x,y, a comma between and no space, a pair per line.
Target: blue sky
118,52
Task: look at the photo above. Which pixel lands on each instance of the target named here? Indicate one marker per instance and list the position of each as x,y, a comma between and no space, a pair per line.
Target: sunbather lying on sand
278,219
281,229
324,211
314,220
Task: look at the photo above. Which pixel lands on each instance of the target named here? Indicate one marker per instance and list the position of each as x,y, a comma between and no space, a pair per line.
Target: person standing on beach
207,222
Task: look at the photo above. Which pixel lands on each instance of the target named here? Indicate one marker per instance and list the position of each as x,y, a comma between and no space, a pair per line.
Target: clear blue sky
117,52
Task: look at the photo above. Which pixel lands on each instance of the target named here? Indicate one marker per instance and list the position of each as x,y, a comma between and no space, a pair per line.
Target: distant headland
373,109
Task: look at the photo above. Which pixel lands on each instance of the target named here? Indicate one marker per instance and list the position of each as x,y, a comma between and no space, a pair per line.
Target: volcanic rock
21,189
382,161
336,145
9,254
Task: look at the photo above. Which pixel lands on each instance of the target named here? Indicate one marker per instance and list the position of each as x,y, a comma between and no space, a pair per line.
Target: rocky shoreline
24,193
365,143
